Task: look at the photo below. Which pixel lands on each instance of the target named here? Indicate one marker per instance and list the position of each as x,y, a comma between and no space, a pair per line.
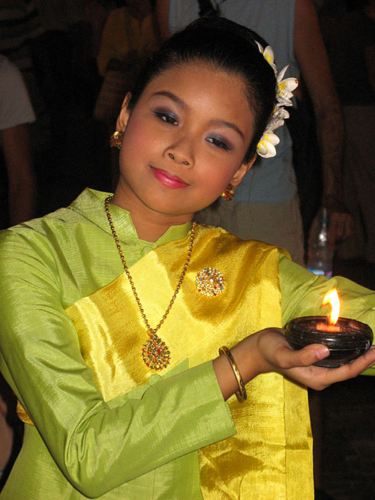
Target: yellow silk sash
270,456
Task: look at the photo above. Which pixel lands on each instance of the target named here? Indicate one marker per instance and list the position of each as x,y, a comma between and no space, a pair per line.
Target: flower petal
269,55
272,138
262,149
289,84
266,149
259,47
283,101
280,114
274,124
281,73
284,93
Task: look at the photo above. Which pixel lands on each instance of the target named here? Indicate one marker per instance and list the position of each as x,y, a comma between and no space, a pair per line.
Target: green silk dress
140,444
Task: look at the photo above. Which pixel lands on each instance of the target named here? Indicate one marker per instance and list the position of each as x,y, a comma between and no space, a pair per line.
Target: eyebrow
171,96
231,125
180,102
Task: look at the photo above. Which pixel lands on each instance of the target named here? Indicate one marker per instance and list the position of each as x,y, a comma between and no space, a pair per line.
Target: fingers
278,355
287,358
319,378
313,353
270,351
341,226
357,366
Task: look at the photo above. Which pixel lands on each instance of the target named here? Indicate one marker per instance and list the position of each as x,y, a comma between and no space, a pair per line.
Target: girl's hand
268,351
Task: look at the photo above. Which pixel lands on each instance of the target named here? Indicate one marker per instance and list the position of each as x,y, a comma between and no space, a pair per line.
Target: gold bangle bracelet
241,394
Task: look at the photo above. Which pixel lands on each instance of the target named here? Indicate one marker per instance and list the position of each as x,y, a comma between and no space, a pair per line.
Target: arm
302,293
15,115
313,60
96,444
21,177
268,351
162,16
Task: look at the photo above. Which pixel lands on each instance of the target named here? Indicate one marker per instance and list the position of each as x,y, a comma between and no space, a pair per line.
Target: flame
332,298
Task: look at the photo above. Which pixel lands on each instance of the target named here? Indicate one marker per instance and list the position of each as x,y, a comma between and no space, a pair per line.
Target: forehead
203,81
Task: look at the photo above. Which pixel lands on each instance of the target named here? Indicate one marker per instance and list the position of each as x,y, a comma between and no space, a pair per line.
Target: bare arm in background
313,61
21,179
162,16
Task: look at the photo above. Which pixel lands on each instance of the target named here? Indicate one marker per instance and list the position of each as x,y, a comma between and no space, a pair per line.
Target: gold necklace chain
155,353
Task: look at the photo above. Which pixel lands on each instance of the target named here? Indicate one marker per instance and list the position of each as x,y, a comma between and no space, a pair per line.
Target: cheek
132,140
218,175
140,138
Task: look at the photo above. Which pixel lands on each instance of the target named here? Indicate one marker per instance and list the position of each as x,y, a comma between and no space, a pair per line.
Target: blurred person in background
129,37
20,41
17,204
18,199
350,41
266,206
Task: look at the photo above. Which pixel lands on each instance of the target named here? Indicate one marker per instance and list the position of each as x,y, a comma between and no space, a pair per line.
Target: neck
149,224
152,230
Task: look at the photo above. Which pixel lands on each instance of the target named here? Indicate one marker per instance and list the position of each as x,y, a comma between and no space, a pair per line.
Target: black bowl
353,340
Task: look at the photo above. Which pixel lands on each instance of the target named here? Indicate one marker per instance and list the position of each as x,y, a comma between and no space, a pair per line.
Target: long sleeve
302,294
97,445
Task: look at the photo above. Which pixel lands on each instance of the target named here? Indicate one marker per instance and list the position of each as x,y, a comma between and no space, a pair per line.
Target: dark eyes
219,143
167,118
171,120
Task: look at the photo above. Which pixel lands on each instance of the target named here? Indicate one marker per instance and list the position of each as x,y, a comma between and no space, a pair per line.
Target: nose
172,157
181,149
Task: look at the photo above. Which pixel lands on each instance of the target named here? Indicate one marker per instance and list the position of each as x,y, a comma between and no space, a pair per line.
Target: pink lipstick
168,180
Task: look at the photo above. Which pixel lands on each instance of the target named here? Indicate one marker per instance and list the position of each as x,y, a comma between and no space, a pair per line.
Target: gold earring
116,139
228,193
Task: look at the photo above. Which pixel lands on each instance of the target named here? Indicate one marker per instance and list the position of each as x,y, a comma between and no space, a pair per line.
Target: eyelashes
170,119
219,143
166,117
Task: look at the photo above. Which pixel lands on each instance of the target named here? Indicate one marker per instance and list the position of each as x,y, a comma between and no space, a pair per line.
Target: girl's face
184,142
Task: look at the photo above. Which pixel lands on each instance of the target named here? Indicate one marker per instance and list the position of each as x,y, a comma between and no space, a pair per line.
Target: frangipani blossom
277,118
266,146
284,93
268,55
285,89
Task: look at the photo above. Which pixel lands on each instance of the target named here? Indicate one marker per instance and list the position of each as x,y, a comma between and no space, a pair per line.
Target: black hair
225,45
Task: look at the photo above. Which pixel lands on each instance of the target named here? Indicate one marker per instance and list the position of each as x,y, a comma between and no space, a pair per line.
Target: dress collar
90,204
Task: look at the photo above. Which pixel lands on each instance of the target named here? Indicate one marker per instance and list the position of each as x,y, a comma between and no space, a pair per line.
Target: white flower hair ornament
284,93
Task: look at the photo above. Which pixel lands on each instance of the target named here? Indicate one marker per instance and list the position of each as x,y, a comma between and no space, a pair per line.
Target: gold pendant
155,353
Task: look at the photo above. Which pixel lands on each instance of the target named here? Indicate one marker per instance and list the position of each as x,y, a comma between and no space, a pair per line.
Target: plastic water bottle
320,254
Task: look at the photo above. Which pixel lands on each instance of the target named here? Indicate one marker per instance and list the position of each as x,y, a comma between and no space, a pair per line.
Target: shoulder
223,241
36,240
42,226
57,230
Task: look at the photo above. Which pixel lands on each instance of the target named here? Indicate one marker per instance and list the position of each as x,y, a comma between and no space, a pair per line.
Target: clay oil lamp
347,339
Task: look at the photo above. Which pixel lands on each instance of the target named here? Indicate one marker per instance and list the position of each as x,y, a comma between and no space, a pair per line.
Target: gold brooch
210,282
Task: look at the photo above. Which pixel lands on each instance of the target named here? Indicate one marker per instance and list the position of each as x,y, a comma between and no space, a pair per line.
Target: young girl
118,375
